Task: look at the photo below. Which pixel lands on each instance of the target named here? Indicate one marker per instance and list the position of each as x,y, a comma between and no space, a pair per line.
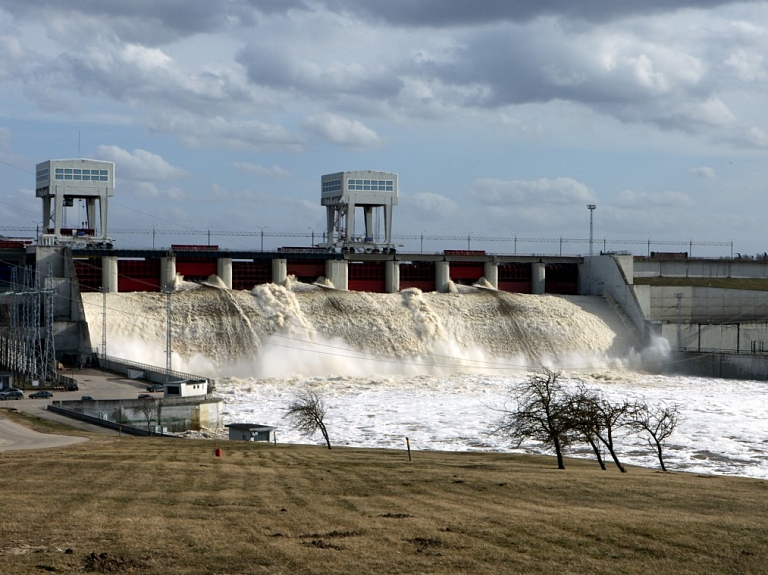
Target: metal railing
108,362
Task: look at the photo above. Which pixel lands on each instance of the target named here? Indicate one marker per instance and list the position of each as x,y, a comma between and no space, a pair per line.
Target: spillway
276,331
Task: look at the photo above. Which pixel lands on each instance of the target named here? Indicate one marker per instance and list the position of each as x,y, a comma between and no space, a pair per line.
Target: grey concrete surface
14,436
97,384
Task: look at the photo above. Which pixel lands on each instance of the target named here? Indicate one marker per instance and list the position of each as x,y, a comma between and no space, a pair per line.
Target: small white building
189,388
251,432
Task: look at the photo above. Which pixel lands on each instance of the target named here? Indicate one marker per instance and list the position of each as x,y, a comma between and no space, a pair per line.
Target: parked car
86,398
42,394
11,394
156,387
146,396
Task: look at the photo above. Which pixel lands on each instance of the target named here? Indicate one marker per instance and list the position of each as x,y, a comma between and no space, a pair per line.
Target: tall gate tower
342,193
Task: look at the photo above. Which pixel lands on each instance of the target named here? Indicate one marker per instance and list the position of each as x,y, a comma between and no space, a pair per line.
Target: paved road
97,384
15,436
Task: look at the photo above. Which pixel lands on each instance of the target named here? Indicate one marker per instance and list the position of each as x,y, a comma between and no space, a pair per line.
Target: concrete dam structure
51,286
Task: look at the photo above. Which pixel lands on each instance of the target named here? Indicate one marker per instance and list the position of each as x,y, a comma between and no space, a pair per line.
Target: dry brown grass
139,505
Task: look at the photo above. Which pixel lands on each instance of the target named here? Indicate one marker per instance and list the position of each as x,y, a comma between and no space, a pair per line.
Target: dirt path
15,436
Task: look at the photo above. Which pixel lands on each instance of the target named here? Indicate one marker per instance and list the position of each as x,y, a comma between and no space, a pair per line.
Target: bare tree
540,413
657,422
602,419
306,413
584,420
148,408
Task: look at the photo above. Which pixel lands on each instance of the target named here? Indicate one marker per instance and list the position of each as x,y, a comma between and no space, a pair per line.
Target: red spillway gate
366,276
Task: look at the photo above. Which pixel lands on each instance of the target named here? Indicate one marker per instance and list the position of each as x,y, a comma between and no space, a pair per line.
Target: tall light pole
591,208
679,307
469,239
154,227
262,228
313,236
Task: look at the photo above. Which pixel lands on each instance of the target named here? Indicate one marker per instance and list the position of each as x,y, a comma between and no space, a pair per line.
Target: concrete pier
167,273
279,271
442,276
538,278
109,274
224,271
491,272
392,276
337,272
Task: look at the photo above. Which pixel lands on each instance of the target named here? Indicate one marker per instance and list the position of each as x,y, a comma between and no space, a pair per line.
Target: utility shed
251,432
190,388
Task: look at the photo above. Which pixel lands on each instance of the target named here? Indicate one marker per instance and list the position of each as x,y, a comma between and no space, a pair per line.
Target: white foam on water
433,367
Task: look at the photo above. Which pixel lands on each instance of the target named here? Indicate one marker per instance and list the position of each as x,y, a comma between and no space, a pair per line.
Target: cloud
495,192
430,206
342,131
155,22
463,13
752,137
631,199
704,172
139,164
211,132
257,170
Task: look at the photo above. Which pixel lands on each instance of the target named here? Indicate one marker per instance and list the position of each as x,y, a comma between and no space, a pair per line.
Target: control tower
342,193
75,197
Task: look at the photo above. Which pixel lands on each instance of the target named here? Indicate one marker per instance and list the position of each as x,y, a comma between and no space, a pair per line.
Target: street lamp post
262,228
313,235
469,239
591,208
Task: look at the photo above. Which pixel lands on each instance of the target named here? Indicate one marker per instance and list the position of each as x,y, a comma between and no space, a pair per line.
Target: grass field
141,505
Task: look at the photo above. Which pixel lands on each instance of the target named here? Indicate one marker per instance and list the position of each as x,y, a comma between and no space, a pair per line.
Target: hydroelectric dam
70,294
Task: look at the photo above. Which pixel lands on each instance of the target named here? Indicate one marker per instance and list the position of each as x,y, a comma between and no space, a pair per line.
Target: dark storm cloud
463,12
153,21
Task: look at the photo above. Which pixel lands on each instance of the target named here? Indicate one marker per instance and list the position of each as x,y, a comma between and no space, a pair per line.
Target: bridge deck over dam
154,270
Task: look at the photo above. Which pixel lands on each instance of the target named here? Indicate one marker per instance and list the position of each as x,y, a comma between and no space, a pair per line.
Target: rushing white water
432,367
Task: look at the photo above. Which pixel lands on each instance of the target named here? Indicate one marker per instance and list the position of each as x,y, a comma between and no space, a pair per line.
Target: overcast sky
501,118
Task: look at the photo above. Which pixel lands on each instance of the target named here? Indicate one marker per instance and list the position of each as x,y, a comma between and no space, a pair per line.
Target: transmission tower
168,348
50,370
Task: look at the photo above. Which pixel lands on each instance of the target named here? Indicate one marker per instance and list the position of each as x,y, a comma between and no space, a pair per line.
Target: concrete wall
611,275
737,338
725,268
727,365
707,305
175,414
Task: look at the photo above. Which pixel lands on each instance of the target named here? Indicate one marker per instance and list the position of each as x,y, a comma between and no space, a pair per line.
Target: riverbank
173,507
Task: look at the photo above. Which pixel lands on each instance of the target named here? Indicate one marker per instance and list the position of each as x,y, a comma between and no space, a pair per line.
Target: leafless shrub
307,413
